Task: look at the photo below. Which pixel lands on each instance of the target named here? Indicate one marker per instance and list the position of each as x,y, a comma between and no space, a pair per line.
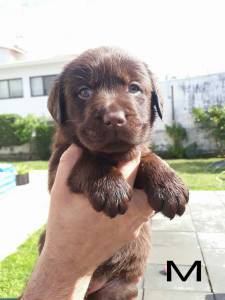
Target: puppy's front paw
104,185
169,196
165,190
110,194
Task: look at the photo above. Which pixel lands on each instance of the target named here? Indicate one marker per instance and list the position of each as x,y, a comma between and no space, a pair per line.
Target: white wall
201,91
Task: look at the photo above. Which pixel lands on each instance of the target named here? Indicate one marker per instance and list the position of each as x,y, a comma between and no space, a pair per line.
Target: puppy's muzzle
114,119
110,117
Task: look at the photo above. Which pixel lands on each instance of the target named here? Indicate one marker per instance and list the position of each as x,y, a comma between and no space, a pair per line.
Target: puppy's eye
134,88
85,93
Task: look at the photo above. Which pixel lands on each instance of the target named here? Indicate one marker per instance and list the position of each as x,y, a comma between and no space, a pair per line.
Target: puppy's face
105,99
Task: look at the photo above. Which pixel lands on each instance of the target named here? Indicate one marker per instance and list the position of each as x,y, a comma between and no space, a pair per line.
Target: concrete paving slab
155,280
213,224
210,297
183,223
222,200
219,297
217,278
174,239
209,198
174,295
207,208
205,205
214,257
220,194
160,255
215,261
212,240
208,213
23,211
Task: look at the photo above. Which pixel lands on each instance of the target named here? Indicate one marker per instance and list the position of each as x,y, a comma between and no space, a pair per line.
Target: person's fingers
129,169
67,161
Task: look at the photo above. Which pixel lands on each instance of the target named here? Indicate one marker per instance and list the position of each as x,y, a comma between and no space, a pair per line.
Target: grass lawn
197,173
16,268
32,165
200,174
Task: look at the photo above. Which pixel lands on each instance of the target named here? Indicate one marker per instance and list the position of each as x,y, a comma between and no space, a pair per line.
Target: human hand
75,227
79,239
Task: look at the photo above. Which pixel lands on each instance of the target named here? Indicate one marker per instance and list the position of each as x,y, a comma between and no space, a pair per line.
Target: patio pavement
198,235
22,211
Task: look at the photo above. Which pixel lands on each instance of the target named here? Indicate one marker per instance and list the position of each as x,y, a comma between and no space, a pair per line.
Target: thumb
67,162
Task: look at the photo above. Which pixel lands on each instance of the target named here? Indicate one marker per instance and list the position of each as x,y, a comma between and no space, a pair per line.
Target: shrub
192,151
16,130
213,121
8,131
22,169
43,139
177,134
174,151
25,128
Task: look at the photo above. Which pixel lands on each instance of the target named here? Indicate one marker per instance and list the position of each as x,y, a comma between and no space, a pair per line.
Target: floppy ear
156,100
56,101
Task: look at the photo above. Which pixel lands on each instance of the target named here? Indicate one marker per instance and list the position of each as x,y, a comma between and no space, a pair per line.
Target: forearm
53,279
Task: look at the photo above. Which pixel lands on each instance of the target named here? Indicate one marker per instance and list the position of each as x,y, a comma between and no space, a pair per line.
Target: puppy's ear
156,98
156,101
56,101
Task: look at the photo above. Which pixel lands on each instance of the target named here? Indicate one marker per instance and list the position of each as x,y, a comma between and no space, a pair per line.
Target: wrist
76,263
56,278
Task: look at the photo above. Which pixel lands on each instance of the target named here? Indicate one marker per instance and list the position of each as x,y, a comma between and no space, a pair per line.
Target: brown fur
95,124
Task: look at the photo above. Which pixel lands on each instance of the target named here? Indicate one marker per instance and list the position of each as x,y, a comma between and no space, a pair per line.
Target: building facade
24,85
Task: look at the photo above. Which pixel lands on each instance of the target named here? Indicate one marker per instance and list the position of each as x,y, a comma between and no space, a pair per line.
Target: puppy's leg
103,183
165,190
116,290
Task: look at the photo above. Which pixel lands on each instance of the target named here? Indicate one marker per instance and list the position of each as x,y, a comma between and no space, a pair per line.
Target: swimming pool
7,178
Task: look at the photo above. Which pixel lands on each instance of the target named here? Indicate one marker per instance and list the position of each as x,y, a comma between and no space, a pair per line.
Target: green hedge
16,130
43,139
177,134
8,131
212,121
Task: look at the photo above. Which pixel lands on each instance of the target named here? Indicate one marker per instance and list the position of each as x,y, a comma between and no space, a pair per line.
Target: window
41,85
37,88
48,83
11,88
4,90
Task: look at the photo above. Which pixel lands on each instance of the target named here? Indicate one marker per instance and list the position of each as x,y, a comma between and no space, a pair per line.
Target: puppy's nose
116,118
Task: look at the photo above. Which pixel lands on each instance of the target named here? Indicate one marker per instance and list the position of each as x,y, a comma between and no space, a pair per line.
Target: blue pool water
7,178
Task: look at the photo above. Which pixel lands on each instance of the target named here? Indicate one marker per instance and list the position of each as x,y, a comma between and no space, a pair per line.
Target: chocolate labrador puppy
106,102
